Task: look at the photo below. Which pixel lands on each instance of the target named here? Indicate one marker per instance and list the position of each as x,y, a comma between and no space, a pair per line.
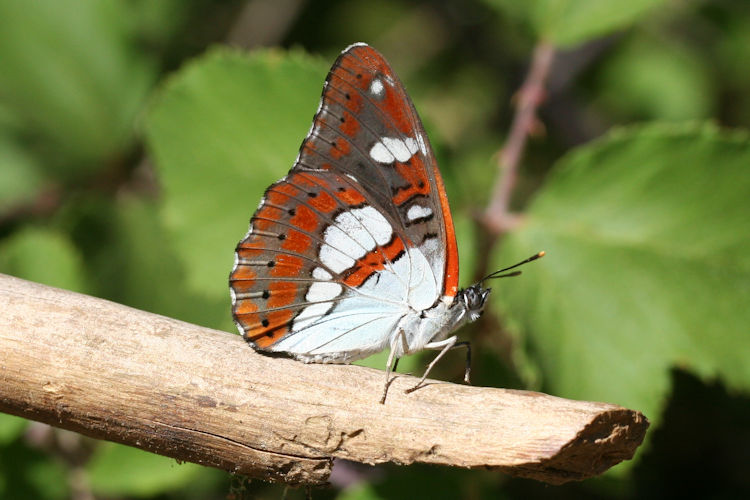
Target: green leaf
20,177
225,128
74,76
360,491
28,473
11,427
44,256
139,249
49,479
571,22
646,233
117,470
648,78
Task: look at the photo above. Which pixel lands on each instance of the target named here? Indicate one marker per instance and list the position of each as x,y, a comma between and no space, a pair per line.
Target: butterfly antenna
499,272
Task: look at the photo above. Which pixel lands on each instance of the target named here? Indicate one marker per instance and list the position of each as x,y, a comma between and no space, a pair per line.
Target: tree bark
201,395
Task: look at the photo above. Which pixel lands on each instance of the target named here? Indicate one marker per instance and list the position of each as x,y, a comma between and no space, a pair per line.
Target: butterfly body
354,251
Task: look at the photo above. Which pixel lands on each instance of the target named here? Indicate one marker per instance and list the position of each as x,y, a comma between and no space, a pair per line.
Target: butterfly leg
444,346
391,365
467,345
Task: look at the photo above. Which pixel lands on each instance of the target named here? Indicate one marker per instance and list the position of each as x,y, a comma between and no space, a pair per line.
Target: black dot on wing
265,323
271,263
282,237
312,194
342,119
292,212
421,184
347,96
359,75
266,294
342,189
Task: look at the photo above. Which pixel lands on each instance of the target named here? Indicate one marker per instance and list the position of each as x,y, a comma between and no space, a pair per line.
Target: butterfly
354,250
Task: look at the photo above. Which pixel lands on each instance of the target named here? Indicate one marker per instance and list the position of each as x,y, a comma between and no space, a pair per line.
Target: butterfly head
473,299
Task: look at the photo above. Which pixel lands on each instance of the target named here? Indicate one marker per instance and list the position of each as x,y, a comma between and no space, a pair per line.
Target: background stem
497,216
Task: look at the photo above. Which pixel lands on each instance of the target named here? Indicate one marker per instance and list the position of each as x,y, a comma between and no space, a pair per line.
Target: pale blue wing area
362,321
355,328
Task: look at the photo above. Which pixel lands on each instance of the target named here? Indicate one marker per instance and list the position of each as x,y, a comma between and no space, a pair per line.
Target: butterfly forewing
329,265
368,127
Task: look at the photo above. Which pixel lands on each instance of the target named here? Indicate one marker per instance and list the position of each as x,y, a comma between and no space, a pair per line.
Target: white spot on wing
376,88
403,150
366,223
352,236
334,259
380,153
320,291
393,148
417,212
349,237
321,274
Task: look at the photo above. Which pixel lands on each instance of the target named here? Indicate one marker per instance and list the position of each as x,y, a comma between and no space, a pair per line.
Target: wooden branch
204,396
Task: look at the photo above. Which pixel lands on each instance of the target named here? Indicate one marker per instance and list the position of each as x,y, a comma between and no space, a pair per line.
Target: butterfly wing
358,233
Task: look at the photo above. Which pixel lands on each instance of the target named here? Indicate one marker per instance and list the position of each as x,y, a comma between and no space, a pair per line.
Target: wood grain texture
204,396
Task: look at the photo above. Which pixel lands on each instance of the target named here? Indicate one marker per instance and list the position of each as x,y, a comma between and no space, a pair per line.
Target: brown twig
201,395
497,216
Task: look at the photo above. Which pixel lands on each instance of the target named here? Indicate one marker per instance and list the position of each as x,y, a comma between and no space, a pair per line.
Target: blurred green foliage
569,22
657,217
116,471
135,145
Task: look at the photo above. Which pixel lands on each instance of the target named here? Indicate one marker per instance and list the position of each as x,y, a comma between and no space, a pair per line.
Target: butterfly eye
474,298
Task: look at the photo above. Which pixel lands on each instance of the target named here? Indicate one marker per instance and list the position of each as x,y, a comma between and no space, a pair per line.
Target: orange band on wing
450,278
374,262
276,326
